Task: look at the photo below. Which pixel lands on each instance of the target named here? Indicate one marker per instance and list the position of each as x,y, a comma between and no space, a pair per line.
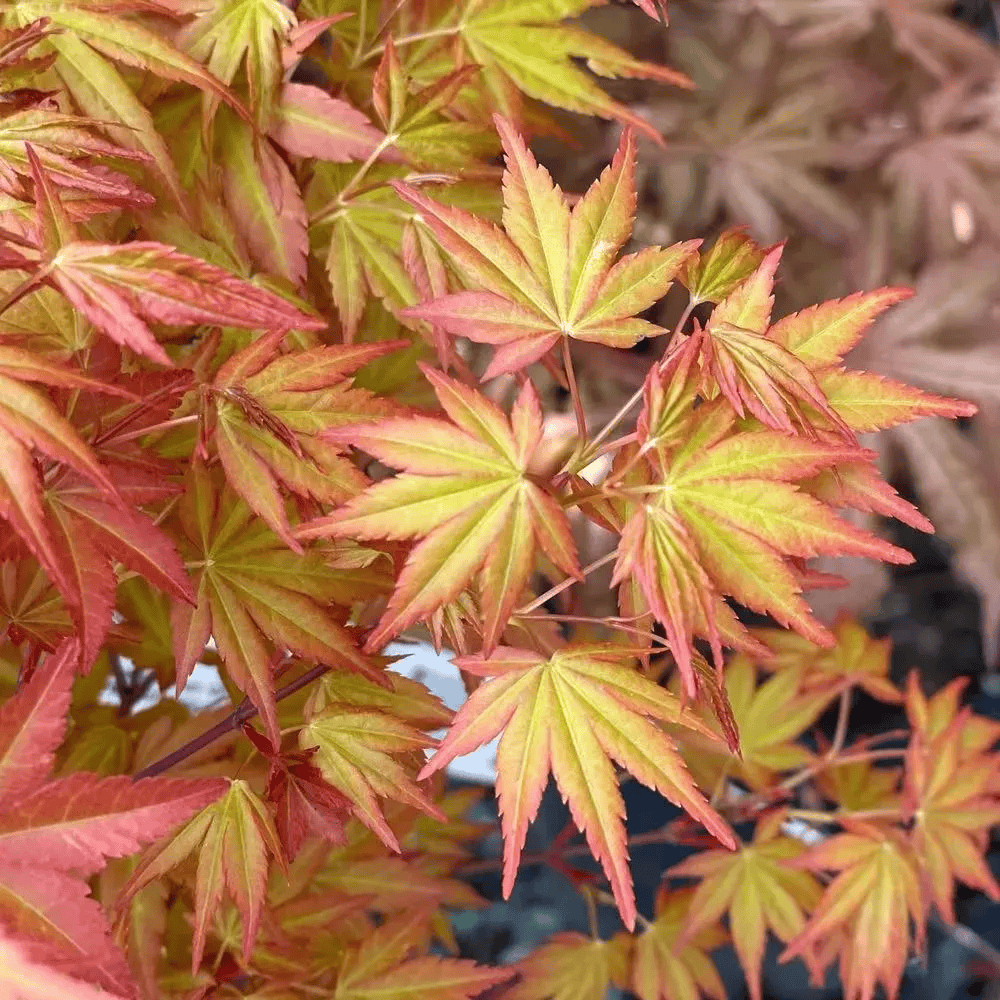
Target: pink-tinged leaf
749,304
732,258
119,287
822,334
868,402
76,823
30,418
20,977
859,485
129,42
264,199
244,652
54,919
130,537
21,505
191,628
33,723
571,715
465,482
601,223
91,597
309,122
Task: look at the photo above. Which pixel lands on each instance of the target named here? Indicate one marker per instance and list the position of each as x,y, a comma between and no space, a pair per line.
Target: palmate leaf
119,287
91,533
551,273
572,966
247,34
949,790
234,838
53,831
522,48
270,412
666,965
420,131
572,715
380,967
61,143
252,591
722,516
364,754
468,494
757,888
769,717
871,903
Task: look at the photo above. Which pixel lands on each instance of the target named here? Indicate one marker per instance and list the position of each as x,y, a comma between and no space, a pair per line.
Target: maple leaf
118,287
522,49
769,718
872,902
755,143
572,714
856,659
22,979
356,753
666,964
53,831
949,790
251,588
713,275
415,123
304,803
572,966
63,144
467,489
724,516
270,412
380,966
242,33
757,888
550,275
234,837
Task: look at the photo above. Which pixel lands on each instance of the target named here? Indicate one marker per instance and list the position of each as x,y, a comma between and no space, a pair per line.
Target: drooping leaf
758,890
572,715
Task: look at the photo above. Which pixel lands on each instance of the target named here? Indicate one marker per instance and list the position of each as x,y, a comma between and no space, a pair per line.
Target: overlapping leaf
665,964
381,966
234,838
572,715
551,274
758,890
366,754
721,515
572,966
467,492
53,831
950,791
270,414
121,287
252,591
522,47
871,902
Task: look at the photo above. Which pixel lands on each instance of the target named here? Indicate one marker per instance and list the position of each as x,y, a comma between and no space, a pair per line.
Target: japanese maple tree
289,316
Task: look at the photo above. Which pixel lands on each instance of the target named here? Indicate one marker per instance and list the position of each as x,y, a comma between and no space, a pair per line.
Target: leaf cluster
291,367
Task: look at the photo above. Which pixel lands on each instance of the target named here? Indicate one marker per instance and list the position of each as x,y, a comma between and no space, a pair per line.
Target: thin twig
242,713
